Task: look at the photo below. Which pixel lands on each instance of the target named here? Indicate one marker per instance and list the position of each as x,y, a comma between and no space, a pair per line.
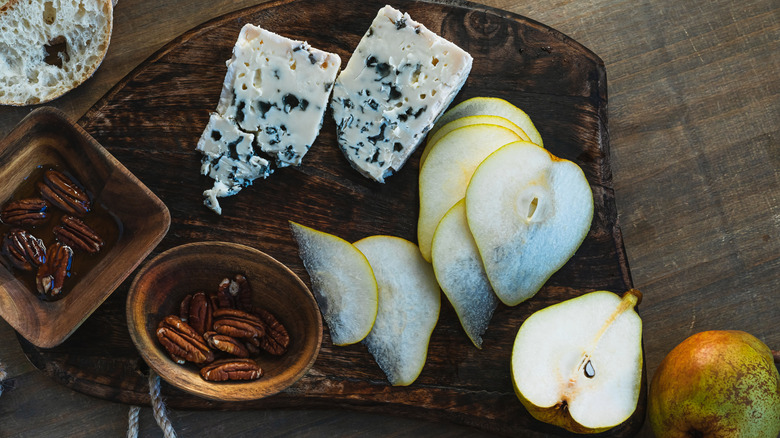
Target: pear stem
636,294
776,356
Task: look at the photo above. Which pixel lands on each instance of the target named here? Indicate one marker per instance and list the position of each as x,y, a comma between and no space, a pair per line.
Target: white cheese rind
398,81
275,92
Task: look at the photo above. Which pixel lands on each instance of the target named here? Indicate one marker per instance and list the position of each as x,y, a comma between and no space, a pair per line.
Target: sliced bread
49,47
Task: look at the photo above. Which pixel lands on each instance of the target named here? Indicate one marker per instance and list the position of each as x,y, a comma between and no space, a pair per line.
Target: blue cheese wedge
274,94
229,159
396,84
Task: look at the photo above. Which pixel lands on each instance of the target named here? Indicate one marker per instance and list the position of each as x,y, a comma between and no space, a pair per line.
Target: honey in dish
99,218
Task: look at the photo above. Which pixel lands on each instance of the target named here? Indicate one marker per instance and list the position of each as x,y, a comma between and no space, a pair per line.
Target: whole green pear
716,384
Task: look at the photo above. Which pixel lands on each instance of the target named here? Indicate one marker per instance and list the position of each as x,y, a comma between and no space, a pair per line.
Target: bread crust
27,77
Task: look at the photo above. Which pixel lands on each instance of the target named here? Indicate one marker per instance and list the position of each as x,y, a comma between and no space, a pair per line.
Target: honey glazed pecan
60,192
51,276
23,250
30,211
73,232
64,193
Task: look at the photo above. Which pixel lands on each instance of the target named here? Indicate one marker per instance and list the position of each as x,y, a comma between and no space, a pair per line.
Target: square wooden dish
47,139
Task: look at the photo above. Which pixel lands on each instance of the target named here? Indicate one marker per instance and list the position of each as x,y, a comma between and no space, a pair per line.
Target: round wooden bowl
161,284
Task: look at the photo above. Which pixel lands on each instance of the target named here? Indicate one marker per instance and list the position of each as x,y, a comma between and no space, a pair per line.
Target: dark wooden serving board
151,122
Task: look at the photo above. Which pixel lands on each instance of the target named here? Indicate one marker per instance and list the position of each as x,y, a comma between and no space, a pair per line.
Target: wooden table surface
694,105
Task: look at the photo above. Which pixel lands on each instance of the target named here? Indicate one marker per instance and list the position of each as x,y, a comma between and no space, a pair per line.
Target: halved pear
409,303
447,171
461,276
342,281
466,121
528,211
578,364
490,106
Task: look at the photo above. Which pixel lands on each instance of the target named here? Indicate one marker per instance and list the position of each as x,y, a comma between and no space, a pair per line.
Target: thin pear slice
490,106
528,211
447,171
409,303
342,281
578,364
461,276
466,121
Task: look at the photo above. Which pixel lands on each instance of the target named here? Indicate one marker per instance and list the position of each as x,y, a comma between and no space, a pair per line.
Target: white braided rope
132,422
158,410
158,406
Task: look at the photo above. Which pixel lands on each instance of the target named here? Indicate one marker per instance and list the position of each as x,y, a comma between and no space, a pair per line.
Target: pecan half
23,250
253,349
244,293
235,294
231,369
30,211
238,324
51,275
64,193
226,294
200,313
214,300
75,233
276,339
225,343
184,308
182,342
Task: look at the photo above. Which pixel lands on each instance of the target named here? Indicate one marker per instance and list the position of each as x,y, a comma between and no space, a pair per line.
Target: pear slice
409,303
461,276
490,106
466,121
578,364
528,211
447,171
342,281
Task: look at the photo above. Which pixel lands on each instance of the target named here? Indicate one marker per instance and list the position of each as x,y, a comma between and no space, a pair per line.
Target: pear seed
532,208
590,372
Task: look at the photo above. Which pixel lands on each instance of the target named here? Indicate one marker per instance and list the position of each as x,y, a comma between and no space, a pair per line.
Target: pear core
528,212
578,364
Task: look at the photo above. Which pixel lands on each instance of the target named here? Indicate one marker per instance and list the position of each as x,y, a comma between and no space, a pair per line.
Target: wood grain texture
694,100
153,118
